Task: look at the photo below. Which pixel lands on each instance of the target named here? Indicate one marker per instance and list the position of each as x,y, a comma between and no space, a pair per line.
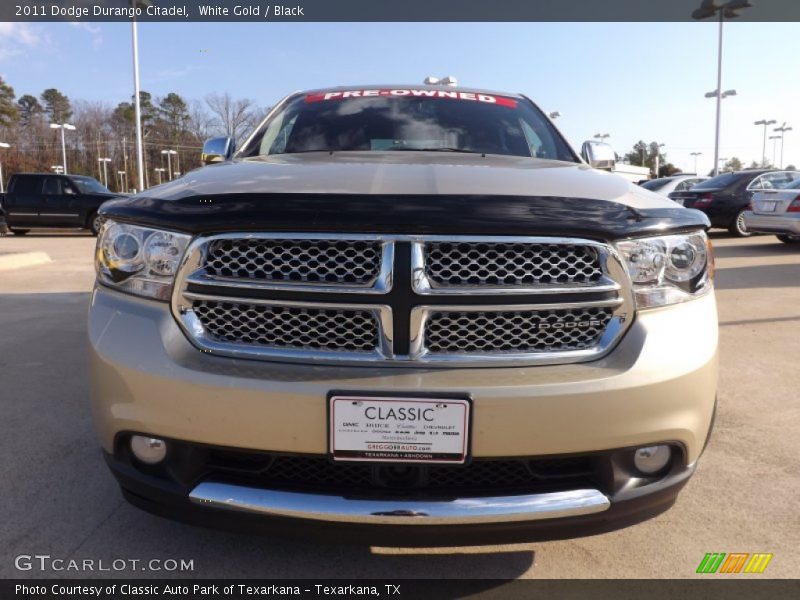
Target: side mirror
217,149
599,155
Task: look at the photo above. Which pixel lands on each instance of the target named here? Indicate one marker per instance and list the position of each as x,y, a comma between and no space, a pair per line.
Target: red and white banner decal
406,93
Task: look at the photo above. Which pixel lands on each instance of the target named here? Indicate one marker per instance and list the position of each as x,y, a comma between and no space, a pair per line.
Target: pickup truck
403,315
38,200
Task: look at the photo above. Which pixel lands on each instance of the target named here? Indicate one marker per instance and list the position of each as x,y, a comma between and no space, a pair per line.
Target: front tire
789,239
737,226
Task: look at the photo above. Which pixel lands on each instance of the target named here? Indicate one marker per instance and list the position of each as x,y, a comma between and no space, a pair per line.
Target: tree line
103,130
644,155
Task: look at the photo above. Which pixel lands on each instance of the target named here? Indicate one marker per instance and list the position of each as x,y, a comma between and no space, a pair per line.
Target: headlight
139,260
668,269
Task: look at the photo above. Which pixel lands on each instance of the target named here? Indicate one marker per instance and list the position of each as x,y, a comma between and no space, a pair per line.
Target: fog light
148,450
651,459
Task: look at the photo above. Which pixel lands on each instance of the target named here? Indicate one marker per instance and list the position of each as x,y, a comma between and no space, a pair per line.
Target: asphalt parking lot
59,499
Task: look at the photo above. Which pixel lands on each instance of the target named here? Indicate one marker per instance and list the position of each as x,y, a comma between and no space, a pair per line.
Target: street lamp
105,162
602,136
658,158
554,115
63,127
783,129
774,139
764,122
160,170
695,154
2,188
169,154
720,97
707,10
722,160
123,180
57,169
136,87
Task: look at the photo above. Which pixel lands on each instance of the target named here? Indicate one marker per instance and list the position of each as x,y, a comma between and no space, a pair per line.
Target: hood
406,193
408,173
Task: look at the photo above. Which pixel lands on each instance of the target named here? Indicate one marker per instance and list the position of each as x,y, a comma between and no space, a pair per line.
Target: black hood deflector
407,214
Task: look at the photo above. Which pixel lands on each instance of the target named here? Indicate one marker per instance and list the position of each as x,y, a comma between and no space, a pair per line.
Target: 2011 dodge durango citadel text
406,315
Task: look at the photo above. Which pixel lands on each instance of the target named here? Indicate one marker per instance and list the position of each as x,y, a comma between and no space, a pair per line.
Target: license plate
767,206
401,430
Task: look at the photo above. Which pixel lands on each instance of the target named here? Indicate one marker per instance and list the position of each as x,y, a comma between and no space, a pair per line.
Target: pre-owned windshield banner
412,93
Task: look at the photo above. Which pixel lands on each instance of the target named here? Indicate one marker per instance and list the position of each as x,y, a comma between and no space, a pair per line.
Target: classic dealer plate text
408,430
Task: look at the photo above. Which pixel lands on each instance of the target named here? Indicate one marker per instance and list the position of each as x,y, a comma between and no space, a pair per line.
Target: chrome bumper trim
459,511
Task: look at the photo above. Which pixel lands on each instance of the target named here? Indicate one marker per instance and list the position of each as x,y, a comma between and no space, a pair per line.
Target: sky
631,80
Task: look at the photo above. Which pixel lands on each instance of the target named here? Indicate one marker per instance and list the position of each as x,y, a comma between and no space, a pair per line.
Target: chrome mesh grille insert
402,299
461,264
520,331
332,262
289,327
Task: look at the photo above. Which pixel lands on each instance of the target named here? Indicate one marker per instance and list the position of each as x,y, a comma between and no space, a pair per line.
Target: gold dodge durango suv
406,315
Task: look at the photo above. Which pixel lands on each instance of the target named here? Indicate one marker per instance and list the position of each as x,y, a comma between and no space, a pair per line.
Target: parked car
48,200
677,183
3,226
407,315
776,211
726,197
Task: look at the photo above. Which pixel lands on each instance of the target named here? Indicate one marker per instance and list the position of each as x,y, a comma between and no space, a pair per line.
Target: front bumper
657,386
392,521
788,223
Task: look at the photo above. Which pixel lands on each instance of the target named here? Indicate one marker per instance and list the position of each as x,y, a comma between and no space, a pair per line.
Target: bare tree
232,117
200,122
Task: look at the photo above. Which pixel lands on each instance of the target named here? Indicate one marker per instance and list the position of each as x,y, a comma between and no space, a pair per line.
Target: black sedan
3,226
726,197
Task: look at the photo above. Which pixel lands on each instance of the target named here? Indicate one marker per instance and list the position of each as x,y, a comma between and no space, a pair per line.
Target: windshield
656,184
410,120
89,185
720,181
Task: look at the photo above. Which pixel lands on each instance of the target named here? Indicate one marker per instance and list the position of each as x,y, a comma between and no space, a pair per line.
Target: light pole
123,180
63,127
774,139
783,129
105,162
765,123
602,136
169,154
136,99
2,188
708,10
658,158
554,115
160,170
695,154
720,96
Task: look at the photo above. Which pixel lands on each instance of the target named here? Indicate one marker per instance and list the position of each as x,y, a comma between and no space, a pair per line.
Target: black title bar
264,11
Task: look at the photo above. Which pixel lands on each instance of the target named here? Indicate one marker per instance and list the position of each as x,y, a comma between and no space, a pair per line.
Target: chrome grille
293,327
326,261
515,264
356,298
518,331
